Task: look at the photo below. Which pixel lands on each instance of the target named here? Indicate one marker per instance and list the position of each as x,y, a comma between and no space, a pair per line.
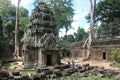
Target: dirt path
100,63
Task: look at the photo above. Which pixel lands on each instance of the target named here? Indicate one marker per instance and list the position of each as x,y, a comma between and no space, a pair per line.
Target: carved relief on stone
41,35
28,40
47,41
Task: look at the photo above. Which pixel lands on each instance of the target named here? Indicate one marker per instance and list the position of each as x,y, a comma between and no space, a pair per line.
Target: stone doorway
49,62
104,55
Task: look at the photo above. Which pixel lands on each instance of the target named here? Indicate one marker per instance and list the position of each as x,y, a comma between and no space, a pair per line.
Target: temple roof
42,16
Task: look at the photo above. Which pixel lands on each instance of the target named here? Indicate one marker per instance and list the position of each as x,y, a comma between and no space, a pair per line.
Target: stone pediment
48,41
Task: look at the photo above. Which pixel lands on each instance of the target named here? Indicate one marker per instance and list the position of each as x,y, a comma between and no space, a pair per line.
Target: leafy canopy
8,14
80,34
106,11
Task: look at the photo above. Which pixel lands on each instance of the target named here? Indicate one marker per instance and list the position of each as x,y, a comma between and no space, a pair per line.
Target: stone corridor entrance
49,60
50,57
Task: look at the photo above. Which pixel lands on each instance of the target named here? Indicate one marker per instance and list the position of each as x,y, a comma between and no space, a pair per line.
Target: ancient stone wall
76,52
98,54
100,49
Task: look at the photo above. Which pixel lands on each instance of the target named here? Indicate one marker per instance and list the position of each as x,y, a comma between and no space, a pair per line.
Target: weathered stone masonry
41,38
102,48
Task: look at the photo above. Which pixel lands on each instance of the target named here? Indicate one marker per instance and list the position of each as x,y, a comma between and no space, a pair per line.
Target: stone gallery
41,38
101,49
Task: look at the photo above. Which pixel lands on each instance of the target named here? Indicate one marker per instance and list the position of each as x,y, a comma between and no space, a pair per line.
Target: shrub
115,55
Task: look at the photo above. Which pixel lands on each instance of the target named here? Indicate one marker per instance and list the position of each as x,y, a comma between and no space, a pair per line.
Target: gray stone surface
40,38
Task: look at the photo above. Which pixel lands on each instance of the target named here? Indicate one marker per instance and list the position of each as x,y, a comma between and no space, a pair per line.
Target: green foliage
23,21
27,71
69,38
80,34
106,11
9,64
97,29
8,19
67,45
8,14
115,55
116,65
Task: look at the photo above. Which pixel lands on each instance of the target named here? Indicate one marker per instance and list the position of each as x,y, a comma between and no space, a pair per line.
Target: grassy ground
87,78
94,78
27,70
8,64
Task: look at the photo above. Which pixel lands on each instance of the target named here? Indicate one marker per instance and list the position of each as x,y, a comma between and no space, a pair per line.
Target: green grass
8,64
94,78
88,78
27,70
116,65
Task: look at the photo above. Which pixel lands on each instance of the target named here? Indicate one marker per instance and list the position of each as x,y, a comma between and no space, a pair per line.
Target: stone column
40,56
35,40
43,58
25,59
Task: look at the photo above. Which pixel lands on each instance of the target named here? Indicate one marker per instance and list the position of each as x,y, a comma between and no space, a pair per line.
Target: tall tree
92,8
1,28
8,15
1,34
92,33
106,11
17,31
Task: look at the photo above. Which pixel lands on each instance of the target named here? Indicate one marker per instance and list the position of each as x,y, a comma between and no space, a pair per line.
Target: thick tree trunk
92,8
17,31
92,33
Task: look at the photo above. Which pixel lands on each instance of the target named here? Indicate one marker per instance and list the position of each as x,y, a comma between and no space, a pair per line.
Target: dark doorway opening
104,55
49,60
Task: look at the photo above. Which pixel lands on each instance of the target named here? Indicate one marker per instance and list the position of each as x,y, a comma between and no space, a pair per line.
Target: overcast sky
81,8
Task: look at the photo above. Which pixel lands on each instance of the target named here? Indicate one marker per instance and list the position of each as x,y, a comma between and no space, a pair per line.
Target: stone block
25,76
4,73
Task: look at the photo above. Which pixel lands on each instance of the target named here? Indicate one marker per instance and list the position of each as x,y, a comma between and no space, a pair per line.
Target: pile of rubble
61,71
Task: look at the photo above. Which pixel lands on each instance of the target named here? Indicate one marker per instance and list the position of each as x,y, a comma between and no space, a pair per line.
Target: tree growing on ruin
92,33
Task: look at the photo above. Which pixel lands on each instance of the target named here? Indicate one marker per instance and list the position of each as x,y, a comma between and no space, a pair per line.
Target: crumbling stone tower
40,39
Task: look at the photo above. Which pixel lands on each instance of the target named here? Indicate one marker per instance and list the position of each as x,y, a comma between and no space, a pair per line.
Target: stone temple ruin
101,49
41,38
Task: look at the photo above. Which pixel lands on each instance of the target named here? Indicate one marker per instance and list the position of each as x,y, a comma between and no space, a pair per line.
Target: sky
81,9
